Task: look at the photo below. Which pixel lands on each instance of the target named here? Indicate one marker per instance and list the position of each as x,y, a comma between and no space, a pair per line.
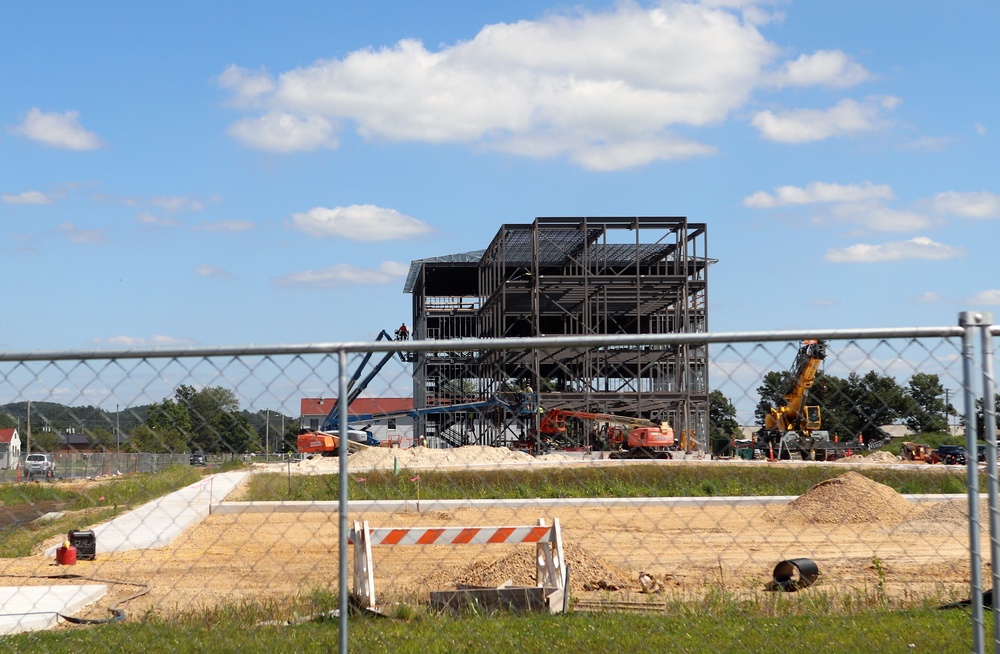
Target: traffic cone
770,452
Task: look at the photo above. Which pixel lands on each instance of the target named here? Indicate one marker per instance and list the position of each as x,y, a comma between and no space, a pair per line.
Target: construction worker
402,333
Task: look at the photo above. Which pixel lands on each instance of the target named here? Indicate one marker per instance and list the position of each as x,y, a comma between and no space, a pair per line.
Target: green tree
981,419
45,441
770,395
7,421
865,403
215,422
926,411
100,439
158,440
722,422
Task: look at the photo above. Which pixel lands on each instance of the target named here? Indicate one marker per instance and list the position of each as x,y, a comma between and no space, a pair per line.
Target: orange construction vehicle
916,452
627,437
328,443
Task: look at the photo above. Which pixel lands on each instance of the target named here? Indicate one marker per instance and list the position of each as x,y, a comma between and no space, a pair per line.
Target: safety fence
811,489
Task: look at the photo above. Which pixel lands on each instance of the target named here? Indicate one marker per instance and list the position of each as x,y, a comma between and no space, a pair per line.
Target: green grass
99,503
614,481
719,626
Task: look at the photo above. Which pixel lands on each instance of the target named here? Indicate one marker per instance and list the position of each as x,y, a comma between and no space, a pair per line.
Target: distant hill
52,416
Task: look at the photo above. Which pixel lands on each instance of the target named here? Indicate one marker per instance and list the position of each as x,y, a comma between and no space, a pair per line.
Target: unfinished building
564,277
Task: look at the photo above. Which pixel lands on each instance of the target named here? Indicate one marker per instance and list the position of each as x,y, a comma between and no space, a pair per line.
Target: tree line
855,406
208,420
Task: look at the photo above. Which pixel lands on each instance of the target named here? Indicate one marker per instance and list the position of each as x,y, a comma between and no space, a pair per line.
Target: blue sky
230,173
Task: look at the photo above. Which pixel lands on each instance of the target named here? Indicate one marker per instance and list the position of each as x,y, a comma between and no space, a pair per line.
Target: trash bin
745,453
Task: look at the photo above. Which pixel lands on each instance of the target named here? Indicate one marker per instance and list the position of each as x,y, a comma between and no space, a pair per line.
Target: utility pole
28,434
947,409
118,433
267,435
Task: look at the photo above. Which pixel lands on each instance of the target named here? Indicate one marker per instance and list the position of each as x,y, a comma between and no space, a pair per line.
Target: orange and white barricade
549,560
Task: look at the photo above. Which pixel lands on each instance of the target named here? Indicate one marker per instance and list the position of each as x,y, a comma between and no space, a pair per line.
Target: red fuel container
66,555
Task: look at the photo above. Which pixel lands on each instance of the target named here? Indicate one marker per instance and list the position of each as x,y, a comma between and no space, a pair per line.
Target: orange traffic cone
770,452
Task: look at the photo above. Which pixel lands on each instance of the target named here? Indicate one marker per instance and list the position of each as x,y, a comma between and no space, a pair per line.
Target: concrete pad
33,608
159,522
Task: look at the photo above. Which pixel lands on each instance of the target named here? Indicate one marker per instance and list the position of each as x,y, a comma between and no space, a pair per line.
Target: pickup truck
39,465
949,455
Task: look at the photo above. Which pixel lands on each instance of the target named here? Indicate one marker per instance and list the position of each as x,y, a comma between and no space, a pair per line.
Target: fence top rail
467,344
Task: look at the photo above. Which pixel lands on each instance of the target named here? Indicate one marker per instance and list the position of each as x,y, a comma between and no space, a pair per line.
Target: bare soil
882,542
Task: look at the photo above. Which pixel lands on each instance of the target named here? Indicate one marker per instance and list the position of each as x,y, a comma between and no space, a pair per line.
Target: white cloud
343,275
846,118
928,144
991,297
208,270
917,248
227,226
874,216
818,192
137,342
980,129
284,132
83,236
822,68
363,222
57,130
603,89
27,197
823,303
980,204
177,203
247,86
147,218
928,297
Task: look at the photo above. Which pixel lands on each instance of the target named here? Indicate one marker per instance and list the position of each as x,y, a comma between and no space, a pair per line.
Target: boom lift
627,437
326,440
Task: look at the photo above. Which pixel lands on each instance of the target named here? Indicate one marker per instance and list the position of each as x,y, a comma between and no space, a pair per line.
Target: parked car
982,454
950,455
39,465
198,459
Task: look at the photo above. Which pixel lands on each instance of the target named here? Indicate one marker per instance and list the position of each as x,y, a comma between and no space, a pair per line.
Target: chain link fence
803,489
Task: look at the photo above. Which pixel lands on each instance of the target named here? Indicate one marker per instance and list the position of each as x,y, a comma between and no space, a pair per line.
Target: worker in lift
402,333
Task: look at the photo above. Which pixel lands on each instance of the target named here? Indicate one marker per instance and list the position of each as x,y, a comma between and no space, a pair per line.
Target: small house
10,448
393,427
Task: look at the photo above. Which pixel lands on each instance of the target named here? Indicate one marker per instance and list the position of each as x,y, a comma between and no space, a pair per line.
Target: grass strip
675,480
88,505
731,629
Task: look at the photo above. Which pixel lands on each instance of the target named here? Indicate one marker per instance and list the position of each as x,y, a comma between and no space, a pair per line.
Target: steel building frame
566,276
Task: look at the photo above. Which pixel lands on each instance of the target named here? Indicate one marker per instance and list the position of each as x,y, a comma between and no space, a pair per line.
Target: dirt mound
418,457
948,517
587,571
874,457
850,498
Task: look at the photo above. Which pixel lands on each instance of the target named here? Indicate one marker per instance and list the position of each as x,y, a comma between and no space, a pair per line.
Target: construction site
560,277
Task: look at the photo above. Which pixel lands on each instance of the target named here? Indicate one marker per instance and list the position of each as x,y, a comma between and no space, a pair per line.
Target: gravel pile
850,498
587,571
949,517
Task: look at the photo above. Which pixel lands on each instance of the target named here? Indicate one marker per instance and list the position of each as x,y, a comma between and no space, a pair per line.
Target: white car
39,465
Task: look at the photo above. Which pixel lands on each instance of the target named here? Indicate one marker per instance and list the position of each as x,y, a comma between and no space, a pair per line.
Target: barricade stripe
537,534
429,537
500,535
458,535
391,538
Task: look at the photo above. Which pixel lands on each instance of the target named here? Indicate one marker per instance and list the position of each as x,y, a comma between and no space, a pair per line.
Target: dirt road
261,557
